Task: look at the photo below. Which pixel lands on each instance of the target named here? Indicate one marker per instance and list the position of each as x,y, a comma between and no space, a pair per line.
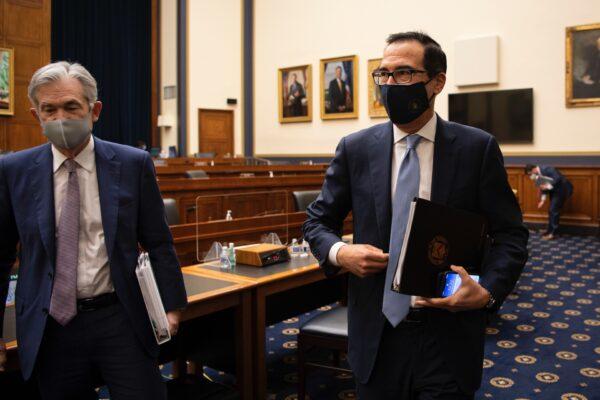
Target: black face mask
405,103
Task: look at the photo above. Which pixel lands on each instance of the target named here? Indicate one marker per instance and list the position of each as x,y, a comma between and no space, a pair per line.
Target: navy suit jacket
468,173
561,186
132,213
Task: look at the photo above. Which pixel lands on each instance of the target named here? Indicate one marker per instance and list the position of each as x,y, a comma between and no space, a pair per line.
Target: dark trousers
557,201
409,366
96,347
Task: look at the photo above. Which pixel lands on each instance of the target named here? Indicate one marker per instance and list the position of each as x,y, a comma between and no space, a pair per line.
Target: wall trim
182,89
248,77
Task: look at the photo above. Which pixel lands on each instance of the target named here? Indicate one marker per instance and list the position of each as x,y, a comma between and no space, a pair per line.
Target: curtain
112,39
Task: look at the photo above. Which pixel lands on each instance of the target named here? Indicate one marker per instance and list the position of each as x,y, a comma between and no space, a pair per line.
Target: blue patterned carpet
542,345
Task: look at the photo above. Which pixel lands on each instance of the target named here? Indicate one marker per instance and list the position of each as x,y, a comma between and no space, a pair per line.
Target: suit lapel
43,192
108,171
380,165
444,162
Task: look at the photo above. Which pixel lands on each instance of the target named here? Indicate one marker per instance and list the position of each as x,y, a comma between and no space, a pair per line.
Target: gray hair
62,70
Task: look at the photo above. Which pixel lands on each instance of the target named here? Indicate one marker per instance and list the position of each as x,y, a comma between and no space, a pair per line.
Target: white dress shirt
93,273
424,153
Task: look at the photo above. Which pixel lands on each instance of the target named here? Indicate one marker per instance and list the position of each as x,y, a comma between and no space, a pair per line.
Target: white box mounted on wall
476,61
165,121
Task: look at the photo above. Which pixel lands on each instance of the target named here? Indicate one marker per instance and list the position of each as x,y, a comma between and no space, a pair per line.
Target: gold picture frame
342,102
582,70
296,106
7,81
376,108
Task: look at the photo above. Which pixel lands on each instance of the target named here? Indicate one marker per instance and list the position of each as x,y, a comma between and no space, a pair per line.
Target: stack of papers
544,182
154,304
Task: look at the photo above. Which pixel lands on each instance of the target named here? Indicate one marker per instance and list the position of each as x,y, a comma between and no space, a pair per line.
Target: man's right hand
362,259
2,355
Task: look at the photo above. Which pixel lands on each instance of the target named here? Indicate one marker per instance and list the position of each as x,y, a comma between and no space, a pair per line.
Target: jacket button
45,310
50,275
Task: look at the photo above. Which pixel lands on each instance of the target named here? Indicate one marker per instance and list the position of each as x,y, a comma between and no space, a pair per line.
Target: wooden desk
280,291
206,295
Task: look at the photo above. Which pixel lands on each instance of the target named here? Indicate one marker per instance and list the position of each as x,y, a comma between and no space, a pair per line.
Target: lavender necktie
396,305
63,304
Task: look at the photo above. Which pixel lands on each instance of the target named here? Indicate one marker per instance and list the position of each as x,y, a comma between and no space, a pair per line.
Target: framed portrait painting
583,66
7,82
339,87
295,94
376,107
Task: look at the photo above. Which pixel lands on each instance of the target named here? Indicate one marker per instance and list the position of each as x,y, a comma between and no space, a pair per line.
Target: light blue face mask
67,133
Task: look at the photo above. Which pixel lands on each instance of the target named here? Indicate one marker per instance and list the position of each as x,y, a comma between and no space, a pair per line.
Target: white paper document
398,275
154,304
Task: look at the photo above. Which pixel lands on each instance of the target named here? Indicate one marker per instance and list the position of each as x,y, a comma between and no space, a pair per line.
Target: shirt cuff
333,253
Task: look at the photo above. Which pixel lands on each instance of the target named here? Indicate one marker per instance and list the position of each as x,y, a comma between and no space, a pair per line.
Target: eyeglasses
404,75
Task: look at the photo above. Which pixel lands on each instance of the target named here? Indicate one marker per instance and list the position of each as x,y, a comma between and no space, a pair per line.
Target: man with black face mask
401,347
80,208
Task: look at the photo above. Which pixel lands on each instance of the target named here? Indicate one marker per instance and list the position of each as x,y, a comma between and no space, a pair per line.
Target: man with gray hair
80,208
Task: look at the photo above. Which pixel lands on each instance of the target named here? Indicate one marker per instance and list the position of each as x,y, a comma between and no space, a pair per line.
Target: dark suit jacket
468,173
132,212
337,97
561,186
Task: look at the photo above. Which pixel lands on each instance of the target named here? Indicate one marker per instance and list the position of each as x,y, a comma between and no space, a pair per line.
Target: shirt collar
426,132
86,158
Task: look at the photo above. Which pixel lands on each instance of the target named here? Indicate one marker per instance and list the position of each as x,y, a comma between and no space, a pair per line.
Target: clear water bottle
295,248
231,254
304,249
224,259
228,217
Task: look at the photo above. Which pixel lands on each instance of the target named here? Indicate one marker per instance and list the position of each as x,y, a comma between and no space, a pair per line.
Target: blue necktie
396,305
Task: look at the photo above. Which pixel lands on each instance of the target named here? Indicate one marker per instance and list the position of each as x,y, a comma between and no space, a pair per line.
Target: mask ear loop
91,114
433,95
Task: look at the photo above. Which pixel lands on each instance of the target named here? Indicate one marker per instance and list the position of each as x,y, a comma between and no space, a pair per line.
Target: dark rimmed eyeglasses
402,75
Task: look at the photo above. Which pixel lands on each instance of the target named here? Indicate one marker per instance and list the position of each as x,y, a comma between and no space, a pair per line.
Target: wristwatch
491,303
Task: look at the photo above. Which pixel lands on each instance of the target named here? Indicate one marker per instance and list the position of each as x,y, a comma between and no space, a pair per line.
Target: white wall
168,68
532,54
214,63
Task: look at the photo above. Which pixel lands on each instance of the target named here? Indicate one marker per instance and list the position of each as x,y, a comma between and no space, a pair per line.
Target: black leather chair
196,174
327,330
302,199
171,211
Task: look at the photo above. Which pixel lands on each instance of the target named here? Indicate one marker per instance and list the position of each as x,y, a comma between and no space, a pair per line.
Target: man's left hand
173,317
469,296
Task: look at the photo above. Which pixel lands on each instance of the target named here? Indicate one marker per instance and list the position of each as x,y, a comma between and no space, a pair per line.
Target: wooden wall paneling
24,27
247,196
245,205
582,209
279,202
2,14
206,209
